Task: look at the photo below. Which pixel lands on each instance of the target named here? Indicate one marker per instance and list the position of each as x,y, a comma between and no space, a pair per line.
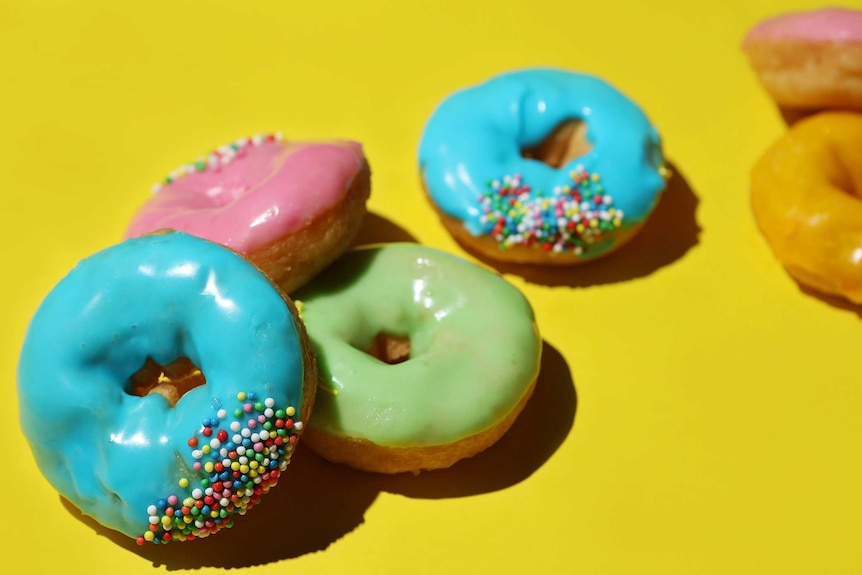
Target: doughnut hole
566,142
389,348
171,381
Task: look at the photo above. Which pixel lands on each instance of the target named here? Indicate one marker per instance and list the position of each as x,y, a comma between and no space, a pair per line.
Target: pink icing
826,25
266,192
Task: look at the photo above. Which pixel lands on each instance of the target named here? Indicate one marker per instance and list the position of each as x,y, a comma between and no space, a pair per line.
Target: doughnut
289,207
424,358
541,166
805,195
809,60
155,467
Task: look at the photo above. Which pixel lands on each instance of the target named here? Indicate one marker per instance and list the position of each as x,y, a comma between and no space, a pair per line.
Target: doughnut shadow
669,233
314,505
376,229
538,432
317,502
831,300
793,115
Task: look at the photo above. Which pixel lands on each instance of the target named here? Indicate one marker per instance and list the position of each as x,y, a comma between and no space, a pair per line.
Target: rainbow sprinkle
569,220
219,157
233,468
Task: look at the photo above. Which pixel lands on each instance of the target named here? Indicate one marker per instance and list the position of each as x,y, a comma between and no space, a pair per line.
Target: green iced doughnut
471,365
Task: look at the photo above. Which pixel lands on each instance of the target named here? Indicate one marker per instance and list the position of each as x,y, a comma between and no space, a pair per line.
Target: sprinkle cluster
569,219
219,157
232,469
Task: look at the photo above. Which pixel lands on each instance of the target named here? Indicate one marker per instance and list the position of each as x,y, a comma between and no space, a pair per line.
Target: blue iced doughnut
517,208
135,464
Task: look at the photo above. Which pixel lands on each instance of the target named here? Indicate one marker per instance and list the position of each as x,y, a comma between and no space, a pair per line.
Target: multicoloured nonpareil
217,158
568,219
239,456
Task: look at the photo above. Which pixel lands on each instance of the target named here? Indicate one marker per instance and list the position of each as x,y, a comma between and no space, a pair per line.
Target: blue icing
165,296
476,136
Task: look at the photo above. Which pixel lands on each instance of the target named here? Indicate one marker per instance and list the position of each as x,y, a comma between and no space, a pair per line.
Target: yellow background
697,412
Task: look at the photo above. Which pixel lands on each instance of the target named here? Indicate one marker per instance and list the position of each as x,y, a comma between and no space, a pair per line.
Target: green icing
475,348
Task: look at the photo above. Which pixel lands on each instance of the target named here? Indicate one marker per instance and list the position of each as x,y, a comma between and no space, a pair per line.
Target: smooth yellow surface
717,421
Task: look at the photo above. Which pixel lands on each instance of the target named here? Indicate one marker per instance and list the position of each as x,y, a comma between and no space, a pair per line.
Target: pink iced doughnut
810,60
289,207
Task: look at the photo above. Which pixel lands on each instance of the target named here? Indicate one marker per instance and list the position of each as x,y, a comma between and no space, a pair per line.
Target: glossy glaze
475,346
267,191
476,136
806,199
166,296
824,25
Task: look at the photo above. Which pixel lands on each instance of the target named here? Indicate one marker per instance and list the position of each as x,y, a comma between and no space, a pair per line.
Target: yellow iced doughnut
806,199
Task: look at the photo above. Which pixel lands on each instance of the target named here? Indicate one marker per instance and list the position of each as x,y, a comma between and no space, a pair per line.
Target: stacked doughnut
806,188
165,381
118,421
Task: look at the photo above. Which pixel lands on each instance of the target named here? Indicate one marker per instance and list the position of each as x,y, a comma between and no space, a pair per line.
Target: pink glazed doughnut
810,60
289,207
